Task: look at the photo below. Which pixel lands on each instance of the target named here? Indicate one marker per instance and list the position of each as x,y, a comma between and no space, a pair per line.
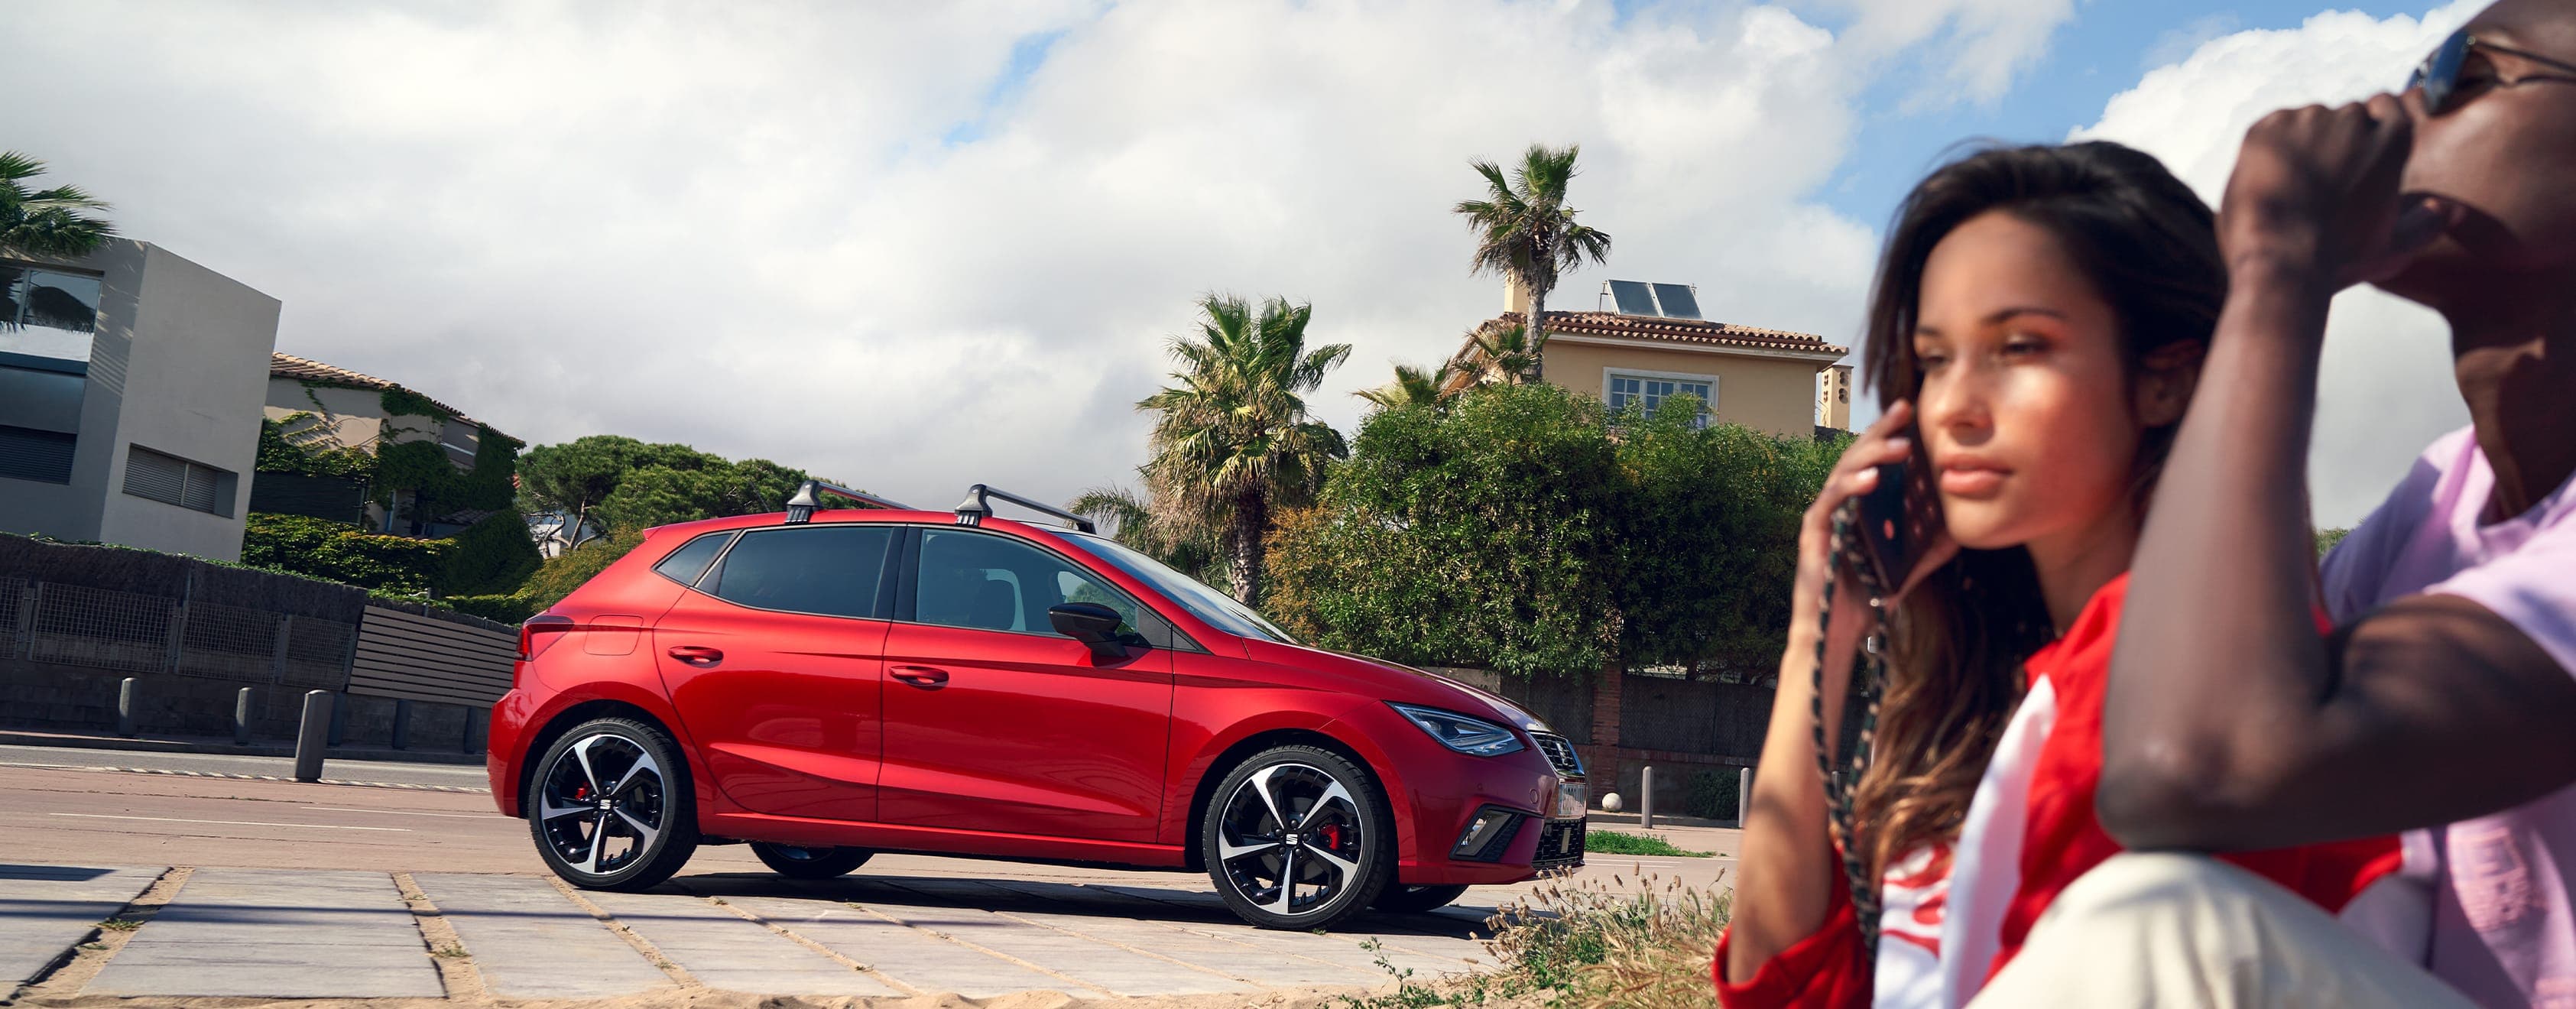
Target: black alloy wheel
795,862
1401,899
610,806
1298,838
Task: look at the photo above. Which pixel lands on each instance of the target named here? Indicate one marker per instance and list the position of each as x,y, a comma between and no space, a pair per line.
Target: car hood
1406,684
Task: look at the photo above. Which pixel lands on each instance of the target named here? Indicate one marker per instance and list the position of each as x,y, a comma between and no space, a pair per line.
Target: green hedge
492,557
320,548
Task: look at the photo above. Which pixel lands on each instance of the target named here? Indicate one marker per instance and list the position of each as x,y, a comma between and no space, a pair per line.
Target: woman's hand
1855,474
2315,192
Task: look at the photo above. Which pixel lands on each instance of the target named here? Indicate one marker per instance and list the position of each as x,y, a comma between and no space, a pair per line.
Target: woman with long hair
2038,321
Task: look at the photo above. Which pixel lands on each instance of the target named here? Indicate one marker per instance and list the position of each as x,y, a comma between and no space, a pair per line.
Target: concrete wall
47,696
178,365
350,417
1774,394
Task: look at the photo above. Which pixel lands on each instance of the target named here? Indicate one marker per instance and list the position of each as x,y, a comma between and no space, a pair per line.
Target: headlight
1472,736
1572,799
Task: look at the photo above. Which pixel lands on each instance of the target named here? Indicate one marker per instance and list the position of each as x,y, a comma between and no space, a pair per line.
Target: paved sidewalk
266,933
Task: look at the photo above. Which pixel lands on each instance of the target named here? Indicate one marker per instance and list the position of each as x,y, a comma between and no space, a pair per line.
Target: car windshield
1219,610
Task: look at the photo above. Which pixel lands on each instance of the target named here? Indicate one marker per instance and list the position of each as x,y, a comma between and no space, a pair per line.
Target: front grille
1560,846
1560,753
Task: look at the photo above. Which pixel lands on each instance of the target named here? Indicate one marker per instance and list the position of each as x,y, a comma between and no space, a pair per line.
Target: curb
226,748
172,772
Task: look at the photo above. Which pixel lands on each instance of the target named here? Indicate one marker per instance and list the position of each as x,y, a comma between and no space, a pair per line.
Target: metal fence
134,632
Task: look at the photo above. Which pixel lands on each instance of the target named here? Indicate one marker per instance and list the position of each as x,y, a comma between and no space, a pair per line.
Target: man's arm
2229,723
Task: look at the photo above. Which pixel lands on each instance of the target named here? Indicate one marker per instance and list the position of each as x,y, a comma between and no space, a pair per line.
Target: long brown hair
2150,248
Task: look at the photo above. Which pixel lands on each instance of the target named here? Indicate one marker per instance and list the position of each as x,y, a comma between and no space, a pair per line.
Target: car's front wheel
795,862
1297,838
611,807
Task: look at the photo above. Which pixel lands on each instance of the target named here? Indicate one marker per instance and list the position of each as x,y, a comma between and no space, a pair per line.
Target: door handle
697,655
920,676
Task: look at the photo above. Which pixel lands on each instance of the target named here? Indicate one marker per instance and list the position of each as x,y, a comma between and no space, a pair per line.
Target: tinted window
688,562
997,584
1217,608
831,570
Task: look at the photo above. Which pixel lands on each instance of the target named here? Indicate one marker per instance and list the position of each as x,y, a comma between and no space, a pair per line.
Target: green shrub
1712,795
492,557
563,573
1612,842
320,548
510,609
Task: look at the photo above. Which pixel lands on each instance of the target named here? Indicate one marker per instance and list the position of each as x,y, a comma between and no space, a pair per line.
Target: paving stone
1101,965
529,942
47,909
917,959
724,950
277,933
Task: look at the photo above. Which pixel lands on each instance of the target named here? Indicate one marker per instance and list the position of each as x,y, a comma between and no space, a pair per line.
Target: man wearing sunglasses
2444,704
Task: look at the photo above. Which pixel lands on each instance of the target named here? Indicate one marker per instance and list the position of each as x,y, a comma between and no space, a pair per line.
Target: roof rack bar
974,510
809,495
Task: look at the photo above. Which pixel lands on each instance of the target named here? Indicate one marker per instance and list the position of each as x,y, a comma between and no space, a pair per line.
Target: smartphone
1896,521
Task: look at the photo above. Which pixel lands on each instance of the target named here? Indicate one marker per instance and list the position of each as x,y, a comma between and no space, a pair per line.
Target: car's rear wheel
610,808
796,862
1400,899
1297,838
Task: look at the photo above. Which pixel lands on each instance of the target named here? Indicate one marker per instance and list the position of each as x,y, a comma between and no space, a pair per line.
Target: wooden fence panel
412,657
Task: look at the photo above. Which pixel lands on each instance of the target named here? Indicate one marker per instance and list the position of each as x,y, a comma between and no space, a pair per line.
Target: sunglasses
2439,74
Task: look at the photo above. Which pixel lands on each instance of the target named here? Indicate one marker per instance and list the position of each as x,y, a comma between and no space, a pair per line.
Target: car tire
1401,899
637,834
1293,801
797,862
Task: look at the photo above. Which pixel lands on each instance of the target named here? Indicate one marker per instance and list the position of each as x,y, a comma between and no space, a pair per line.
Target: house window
1649,390
172,480
47,313
41,456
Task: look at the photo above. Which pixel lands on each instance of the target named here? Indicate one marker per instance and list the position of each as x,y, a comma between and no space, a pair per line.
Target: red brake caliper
1333,836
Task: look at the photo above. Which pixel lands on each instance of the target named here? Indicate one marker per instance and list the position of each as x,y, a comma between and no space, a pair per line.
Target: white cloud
2385,387
1973,49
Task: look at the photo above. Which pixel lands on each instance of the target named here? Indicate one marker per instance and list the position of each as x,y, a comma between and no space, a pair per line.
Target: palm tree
47,223
1234,441
1412,387
1526,232
1498,352
1130,519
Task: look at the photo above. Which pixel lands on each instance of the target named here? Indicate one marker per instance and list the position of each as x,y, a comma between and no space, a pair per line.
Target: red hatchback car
825,685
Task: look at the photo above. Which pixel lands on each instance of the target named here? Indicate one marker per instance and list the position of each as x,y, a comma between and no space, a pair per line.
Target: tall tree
1526,233
51,223
572,479
1233,441
1129,518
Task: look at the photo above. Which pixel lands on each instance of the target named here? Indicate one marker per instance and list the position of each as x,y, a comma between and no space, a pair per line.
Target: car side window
690,560
987,582
832,570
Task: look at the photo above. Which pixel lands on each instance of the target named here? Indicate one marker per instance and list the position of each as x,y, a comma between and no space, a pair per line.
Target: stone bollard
1743,794
125,702
478,728
241,717
1646,798
312,736
402,725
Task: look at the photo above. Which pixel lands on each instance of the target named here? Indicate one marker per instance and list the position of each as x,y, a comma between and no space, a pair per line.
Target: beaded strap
1838,796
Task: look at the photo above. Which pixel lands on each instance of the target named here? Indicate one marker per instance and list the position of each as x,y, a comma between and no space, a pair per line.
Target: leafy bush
493,557
1528,530
1712,795
320,548
287,445
563,573
1586,944
509,609
1612,842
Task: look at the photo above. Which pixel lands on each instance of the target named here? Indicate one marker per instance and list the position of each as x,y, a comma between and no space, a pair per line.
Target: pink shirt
2502,888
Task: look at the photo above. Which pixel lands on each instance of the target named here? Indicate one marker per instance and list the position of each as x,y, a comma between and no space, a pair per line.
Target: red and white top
1952,915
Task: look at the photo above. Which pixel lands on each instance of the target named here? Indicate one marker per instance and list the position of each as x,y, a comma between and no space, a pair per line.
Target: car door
774,661
994,722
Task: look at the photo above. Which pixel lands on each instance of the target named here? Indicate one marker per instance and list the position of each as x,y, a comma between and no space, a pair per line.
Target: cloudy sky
919,245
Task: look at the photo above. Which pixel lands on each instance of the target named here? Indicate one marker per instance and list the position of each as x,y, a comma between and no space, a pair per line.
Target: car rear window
690,560
830,570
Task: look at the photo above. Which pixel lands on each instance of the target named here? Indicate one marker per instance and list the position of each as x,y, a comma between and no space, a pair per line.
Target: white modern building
131,388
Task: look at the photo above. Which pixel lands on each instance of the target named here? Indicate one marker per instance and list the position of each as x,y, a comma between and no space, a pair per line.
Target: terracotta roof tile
1699,331
309,370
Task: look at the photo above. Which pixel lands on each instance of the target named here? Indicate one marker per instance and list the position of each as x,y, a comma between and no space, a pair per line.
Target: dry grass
1581,944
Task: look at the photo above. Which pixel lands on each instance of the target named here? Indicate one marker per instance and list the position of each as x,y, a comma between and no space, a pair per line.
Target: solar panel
1678,301
1633,297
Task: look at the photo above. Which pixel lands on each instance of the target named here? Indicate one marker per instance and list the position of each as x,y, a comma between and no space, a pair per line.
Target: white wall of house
177,366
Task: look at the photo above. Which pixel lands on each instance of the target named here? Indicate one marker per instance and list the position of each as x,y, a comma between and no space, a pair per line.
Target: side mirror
1092,624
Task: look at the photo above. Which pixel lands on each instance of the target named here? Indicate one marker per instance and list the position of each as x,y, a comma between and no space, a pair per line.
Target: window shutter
200,490
42,456
150,474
